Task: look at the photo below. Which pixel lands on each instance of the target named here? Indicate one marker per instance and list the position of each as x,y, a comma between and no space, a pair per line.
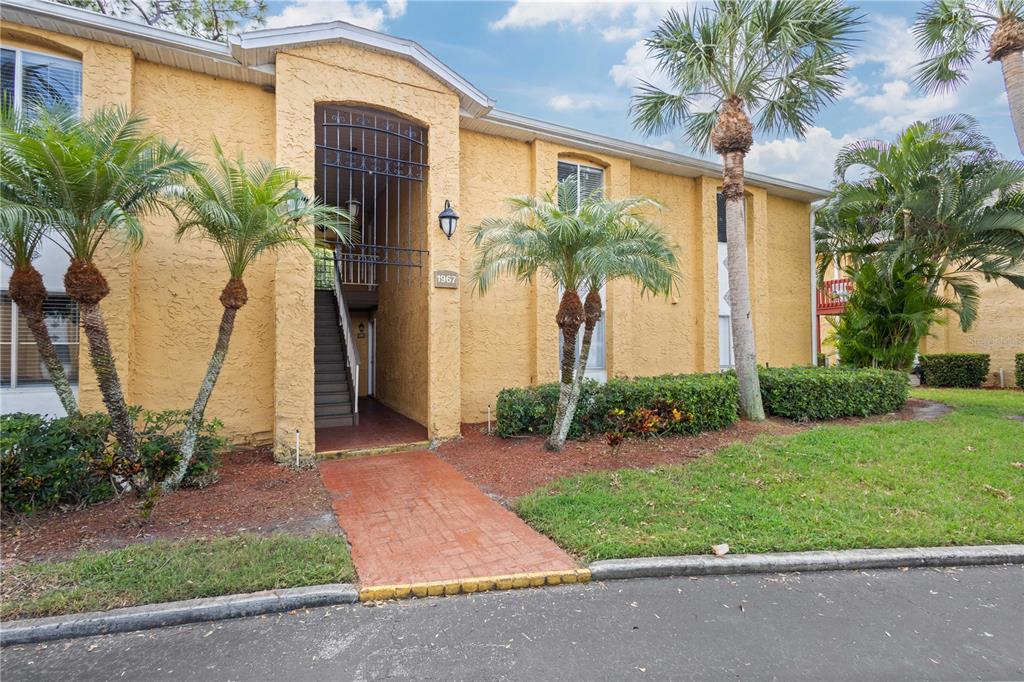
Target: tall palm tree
938,201
735,66
246,210
576,244
19,244
950,33
87,179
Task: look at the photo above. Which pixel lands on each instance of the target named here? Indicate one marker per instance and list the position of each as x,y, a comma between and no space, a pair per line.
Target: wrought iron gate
375,165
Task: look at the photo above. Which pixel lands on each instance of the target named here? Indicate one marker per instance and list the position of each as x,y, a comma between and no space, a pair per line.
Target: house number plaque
446,279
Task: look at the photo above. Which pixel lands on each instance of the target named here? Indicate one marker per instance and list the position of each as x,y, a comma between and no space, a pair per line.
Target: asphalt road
941,624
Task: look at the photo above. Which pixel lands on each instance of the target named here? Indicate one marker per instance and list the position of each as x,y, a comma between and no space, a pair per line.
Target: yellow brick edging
469,585
369,452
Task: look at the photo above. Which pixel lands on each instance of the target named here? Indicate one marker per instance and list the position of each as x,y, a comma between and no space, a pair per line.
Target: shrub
642,406
1018,369
71,460
820,393
959,370
48,462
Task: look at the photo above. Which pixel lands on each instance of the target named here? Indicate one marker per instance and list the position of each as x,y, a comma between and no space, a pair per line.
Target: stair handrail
345,321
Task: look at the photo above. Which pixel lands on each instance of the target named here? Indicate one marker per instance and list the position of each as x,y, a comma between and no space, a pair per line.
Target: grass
163,571
955,481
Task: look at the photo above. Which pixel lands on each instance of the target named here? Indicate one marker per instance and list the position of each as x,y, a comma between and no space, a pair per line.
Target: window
29,79
590,181
20,362
722,234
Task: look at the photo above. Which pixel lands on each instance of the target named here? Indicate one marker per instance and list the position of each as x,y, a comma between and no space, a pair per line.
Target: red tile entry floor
412,518
379,425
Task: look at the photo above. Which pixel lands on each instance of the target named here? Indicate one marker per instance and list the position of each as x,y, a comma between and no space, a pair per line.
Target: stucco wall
496,328
789,282
177,284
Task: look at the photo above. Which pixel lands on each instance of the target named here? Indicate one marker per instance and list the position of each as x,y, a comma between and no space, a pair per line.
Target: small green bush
1018,369
71,460
819,393
956,370
49,462
705,402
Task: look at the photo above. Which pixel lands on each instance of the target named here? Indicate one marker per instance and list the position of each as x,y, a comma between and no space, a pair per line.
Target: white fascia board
256,48
688,165
23,11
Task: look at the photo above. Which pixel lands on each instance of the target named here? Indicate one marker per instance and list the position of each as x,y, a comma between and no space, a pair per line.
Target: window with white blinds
20,362
31,79
589,182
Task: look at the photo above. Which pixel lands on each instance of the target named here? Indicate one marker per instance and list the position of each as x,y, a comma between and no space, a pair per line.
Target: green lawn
958,480
162,571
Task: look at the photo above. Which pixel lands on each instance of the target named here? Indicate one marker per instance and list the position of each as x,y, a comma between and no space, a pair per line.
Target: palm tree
951,32
576,244
246,210
939,201
734,66
19,244
87,178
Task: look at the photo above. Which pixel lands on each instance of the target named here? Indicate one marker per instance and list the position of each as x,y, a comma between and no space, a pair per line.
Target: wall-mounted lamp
295,202
449,219
353,207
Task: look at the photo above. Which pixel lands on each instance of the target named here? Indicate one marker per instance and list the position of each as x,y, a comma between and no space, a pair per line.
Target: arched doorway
375,165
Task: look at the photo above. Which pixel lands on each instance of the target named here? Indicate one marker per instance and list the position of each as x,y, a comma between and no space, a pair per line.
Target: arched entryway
371,321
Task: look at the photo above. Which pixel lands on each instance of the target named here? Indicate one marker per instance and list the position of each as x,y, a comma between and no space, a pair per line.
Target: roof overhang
248,57
515,126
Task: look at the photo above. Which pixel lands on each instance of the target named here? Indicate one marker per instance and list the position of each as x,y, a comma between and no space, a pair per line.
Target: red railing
832,296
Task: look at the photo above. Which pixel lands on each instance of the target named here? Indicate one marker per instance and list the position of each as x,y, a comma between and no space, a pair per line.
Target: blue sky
576,63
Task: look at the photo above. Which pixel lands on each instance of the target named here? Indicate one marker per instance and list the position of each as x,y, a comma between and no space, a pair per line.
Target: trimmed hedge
1018,369
706,401
818,393
694,403
955,370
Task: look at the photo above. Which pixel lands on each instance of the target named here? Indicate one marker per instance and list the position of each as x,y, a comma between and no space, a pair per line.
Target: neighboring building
382,127
998,331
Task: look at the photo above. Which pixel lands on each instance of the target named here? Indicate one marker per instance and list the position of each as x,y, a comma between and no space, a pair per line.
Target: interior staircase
333,377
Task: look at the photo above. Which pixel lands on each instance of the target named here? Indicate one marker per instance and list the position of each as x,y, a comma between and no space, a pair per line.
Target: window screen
721,219
19,355
590,180
7,63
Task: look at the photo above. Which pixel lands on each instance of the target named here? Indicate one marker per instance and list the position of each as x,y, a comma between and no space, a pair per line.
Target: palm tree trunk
28,292
580,371
102,359
195,420
1013,77
55,368
569,318
739,288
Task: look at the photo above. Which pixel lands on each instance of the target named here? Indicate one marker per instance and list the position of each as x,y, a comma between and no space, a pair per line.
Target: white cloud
567,102
372,15
888,41
637,65
809,160
617,19
901,107
667,145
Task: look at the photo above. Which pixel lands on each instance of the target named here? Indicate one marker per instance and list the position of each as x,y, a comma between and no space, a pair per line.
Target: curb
778,562
150,616
469,585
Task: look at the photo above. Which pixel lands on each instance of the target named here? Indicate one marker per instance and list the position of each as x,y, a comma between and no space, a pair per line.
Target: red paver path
412,518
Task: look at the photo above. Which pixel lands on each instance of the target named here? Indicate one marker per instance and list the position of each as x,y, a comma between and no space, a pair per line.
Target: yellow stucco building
380,126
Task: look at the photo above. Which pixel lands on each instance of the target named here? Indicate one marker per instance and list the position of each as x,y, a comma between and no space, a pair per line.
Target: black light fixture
295,202
448,219
353,207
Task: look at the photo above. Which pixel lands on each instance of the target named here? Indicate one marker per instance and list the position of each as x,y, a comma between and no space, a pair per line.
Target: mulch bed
506,468
251,495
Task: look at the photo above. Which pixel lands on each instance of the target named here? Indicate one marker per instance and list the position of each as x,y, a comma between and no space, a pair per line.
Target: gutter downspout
814,295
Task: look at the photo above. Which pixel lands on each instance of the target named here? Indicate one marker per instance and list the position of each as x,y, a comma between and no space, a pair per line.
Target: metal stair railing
351,350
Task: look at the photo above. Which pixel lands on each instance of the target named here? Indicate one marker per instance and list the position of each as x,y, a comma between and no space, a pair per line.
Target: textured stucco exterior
442,354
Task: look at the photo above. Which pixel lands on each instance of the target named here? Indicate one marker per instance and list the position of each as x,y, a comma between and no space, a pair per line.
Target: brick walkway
412,518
